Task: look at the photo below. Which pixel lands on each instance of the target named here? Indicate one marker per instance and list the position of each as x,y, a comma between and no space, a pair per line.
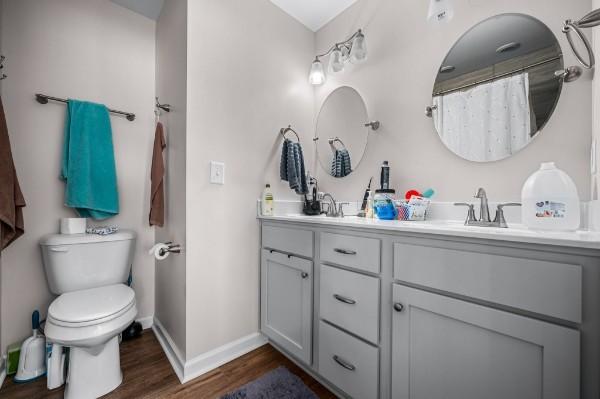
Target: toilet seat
91,317
92,306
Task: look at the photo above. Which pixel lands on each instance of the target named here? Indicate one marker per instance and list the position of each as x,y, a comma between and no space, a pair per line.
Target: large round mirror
497,88
341,135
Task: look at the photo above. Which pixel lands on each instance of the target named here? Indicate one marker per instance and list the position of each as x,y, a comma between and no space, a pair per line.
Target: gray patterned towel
341,165
291,168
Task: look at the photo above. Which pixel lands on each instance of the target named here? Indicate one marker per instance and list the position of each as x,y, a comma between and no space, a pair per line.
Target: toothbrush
366,196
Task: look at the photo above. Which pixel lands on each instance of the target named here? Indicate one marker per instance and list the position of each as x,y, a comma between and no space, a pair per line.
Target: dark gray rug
276,384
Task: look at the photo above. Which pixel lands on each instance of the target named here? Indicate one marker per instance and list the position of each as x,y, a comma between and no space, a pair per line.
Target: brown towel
157,173
11,197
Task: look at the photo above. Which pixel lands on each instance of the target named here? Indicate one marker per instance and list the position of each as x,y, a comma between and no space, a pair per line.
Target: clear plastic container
383,206
550,200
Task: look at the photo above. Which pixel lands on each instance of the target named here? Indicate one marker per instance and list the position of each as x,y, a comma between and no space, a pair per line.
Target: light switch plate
217,172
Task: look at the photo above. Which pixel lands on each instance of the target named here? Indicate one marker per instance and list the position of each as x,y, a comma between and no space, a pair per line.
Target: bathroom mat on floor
276,384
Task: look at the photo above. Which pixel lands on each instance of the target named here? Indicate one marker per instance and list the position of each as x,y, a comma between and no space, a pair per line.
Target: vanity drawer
351,301
348,363
289,240
540,286
352,251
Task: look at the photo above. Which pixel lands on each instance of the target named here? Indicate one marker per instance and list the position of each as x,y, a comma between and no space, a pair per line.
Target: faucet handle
501,206
341,208
471,213
500,220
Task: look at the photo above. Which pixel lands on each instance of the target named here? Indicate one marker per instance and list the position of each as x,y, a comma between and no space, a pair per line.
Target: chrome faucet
484,209
334,209
484,212
331,206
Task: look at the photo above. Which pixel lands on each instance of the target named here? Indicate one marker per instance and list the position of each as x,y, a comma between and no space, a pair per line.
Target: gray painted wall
104,53
247,77
171,82
396,83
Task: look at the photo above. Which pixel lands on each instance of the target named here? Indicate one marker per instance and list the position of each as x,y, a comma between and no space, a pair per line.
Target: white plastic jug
550,200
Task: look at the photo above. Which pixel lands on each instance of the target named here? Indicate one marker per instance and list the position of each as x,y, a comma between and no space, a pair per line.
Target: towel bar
43,99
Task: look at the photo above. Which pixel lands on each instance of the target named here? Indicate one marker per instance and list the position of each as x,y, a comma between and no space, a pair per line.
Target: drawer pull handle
398,307
344,363
344,299
344,251
304,275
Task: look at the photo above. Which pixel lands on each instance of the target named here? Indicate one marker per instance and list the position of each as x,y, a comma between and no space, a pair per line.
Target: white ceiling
314,14
148,8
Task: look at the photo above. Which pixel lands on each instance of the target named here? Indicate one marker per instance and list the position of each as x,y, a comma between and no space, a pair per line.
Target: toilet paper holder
172,248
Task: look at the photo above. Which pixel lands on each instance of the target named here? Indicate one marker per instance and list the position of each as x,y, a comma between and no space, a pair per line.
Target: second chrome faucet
484,212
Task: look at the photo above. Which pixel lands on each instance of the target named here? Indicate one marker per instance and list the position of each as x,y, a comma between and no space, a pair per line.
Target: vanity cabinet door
451,349
286,302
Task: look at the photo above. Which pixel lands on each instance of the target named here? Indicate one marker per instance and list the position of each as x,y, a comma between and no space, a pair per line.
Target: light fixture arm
346,43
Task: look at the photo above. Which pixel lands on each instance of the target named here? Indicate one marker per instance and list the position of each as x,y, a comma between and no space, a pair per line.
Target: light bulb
345,54
317,74
440,11
336,61
358,53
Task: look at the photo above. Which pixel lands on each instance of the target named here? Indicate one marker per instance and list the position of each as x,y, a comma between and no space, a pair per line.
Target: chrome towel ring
588,21
285,130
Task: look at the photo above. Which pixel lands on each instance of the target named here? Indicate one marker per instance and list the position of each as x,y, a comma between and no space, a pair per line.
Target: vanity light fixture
440,11
353,49
317,74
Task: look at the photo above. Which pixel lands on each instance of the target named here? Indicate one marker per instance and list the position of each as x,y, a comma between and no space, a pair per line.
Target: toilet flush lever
59,249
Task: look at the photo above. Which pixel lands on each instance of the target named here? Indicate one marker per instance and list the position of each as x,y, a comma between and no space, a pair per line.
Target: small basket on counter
414,209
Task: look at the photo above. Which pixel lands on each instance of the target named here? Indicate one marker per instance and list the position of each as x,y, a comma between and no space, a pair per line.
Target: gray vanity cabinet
448,348
286,302
376,314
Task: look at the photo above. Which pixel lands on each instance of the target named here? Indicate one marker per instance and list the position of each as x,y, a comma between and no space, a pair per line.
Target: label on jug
550,209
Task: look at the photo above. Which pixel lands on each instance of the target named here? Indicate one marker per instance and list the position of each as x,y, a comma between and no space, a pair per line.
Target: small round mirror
341,135
497,87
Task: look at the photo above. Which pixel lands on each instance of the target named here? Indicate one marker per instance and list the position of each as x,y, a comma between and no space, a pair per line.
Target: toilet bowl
88,322
93,307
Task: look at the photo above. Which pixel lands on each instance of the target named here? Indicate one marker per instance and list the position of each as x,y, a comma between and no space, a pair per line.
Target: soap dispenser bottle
267,201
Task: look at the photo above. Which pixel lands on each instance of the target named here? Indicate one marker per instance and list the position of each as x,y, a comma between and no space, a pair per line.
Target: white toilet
89,273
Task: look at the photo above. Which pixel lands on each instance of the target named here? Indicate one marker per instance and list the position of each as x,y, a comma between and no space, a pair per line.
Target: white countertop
515,232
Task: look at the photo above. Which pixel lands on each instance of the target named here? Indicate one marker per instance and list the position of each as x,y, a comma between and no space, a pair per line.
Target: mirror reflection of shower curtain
488,122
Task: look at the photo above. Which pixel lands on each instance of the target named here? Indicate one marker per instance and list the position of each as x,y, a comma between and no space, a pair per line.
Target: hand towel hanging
11,198
157,173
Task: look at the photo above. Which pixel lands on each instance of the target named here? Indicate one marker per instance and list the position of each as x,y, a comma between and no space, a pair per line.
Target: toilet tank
80,261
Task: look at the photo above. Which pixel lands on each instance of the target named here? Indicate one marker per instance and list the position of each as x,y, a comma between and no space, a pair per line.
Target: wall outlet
217,172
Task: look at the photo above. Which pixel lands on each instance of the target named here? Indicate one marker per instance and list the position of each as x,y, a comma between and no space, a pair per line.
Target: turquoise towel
88,163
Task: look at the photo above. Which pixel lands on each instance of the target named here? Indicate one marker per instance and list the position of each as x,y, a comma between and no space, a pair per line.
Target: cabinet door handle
344,299
398,307
343,363
304,275
344,251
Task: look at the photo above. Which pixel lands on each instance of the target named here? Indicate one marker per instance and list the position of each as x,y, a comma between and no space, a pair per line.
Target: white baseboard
171,350
193,368
146,322
224,354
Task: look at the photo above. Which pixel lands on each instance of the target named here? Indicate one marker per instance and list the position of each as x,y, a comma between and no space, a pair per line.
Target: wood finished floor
148,374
